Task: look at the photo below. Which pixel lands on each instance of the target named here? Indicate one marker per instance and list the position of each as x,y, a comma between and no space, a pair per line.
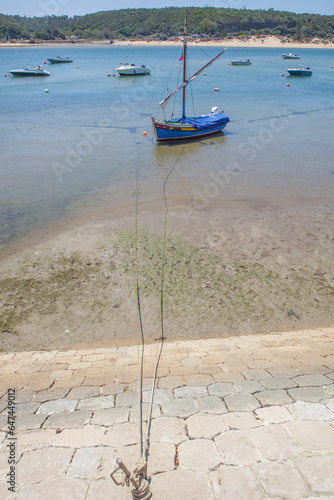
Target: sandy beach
266,266
261,41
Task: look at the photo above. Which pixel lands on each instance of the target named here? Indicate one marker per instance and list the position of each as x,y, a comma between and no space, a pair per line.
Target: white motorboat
132,69
290,56
300,71
38,71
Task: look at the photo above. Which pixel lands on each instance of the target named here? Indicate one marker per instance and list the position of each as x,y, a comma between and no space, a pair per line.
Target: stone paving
242,418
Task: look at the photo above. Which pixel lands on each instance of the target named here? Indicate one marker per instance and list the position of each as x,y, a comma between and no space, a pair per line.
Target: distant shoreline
264,41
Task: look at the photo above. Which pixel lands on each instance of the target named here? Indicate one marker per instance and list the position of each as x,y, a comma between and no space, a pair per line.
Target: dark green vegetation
92,294
168,22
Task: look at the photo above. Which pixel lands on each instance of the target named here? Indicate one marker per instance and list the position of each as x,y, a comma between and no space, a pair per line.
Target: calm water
83,140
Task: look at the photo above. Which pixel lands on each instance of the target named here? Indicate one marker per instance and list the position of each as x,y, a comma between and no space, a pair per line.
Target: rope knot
140,487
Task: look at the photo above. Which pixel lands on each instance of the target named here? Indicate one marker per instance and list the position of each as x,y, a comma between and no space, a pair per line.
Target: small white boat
290,56
38,71
300,71
132,69
239,62
58,60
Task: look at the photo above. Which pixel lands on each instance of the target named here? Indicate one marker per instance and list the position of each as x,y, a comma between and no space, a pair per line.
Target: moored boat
188,127
132,69
300,71
239,62
38,71
290,56
59,60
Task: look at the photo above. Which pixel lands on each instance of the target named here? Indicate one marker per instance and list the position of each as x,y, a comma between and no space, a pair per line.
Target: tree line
168,22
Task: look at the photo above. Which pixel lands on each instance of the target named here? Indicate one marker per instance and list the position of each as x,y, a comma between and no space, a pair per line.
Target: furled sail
164,102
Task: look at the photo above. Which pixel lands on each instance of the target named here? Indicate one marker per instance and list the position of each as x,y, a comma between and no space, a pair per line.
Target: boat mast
184,65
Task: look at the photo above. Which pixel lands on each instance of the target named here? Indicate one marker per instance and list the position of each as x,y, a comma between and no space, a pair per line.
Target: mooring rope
159,351
140,330
140,488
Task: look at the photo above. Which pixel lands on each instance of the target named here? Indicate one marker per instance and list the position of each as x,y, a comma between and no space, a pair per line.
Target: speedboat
300,71
290,56
58,60
131,70
239,62
38,71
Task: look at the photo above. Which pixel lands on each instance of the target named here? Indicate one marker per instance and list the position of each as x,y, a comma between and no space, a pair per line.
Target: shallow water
79,149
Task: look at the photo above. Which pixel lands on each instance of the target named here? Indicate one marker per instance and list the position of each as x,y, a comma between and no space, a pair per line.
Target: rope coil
143,492
140,486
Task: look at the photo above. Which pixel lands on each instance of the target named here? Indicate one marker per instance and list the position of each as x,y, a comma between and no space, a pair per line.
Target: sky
80,7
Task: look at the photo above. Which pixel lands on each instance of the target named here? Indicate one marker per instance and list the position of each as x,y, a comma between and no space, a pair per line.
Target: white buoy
46,91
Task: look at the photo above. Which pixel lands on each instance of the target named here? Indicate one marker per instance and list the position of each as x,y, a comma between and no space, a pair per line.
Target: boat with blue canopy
239,62
59,60
188,127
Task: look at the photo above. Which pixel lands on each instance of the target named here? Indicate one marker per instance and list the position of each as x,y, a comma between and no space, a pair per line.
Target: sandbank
223,276
262,41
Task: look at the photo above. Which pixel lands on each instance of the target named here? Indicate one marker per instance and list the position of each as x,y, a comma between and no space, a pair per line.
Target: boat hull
299,72
59,61
290,57
29,73
170,131
133,71
241,63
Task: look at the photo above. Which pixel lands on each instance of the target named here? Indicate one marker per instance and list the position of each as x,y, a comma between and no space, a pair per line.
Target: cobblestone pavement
241,418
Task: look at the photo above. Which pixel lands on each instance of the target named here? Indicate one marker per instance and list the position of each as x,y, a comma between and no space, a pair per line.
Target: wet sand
237,265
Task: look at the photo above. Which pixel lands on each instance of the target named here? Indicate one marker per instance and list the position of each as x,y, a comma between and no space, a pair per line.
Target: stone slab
312,436
276,442
179,408
198,455
304,410
222,389
190,392
68,420
58,405
211,404
274,414
281,480
204,426
235,483
311,380
41,465
318,471
273,397
168,430
241,402
111,416
181,485
241,420
238,448
96,403
312,394
68,488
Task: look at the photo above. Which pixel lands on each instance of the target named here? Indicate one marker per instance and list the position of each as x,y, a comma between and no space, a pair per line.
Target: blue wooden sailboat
188,127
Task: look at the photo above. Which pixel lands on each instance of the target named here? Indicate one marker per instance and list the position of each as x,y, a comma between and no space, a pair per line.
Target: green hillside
168,22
